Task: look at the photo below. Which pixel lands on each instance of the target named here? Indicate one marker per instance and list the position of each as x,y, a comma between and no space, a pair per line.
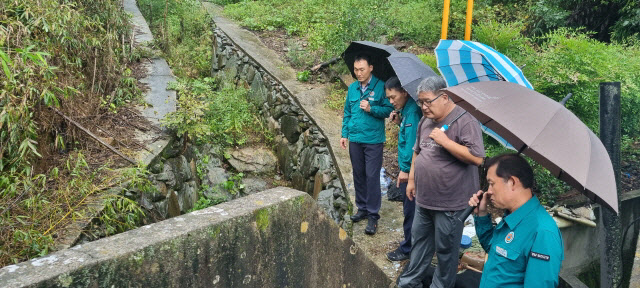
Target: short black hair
364,57
393,84
512,164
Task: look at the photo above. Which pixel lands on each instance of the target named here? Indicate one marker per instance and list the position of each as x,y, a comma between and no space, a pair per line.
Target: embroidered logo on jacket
509,237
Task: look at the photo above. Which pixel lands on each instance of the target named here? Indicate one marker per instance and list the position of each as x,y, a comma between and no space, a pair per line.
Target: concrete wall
276,238
582,245
303,151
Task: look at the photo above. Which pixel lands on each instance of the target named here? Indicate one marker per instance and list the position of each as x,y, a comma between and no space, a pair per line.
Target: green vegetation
336,98
329,25
210,110
262,219
49,54
182,30
234,184
215,115
303,76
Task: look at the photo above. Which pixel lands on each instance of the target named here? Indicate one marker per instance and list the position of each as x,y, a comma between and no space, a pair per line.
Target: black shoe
372,226
359,216
397,255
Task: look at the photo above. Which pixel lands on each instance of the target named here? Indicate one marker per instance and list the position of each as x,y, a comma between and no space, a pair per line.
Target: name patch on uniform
408,125
540,256
501,251
509,237
371,98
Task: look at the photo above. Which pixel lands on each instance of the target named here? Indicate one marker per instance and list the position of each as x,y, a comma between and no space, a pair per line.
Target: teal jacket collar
517,216
373,82
409,106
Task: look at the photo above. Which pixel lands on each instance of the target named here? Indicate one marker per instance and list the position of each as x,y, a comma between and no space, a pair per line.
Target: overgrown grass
214,114
31,219
67,55
329,25
336,98
182,30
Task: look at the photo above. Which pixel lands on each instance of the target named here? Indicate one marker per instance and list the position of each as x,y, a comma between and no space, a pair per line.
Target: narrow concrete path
160,101
312,98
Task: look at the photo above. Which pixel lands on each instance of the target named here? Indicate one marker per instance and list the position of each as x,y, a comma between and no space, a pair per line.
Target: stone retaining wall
303,151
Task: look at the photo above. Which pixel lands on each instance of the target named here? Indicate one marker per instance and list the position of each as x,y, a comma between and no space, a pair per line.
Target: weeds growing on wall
210,114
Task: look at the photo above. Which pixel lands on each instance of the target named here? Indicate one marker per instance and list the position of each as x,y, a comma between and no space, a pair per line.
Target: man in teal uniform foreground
365,109
525,248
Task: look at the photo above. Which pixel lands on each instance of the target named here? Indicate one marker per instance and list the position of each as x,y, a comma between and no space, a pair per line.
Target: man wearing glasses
442,178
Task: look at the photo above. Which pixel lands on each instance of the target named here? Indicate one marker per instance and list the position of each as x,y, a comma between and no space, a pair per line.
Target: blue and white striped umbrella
467,61
462,61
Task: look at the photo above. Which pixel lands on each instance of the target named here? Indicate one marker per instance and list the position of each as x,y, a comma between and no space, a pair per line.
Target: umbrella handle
445,127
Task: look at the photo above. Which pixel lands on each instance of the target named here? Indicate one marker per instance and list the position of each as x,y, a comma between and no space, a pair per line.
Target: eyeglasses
428,102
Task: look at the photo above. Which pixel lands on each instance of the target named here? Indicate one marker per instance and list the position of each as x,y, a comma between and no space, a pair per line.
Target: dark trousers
408,209
366,160
439,232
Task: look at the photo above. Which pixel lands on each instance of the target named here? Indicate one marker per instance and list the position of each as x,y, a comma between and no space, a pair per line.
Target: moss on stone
299,201
214,232
262,219
65,280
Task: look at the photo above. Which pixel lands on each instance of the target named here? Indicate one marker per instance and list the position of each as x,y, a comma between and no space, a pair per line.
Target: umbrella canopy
378,54
410,70
467,61
544,130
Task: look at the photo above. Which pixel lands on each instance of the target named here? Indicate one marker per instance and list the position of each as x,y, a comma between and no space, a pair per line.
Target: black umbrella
410,70
378,54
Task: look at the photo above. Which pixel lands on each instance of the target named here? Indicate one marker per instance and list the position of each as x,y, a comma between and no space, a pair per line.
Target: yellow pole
467,27
445,19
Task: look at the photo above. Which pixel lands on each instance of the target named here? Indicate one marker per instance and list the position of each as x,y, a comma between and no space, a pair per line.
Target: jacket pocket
509,260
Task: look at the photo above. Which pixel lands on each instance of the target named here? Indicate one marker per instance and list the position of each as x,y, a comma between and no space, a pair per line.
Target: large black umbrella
544,130
410,70
378,54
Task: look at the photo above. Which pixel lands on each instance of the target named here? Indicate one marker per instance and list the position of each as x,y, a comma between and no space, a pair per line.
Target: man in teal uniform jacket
525,249
365,109
408,118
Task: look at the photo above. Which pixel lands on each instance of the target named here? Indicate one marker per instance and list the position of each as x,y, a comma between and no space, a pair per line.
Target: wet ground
385,240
